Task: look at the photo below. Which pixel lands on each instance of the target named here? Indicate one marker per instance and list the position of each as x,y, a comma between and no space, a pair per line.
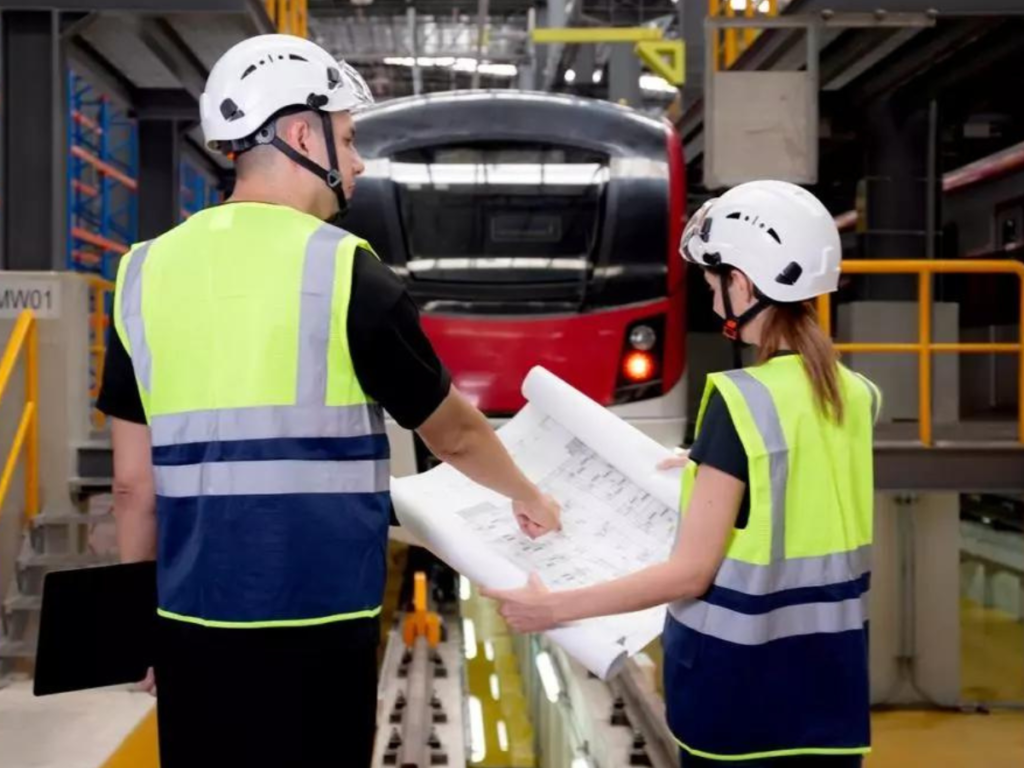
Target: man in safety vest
257,347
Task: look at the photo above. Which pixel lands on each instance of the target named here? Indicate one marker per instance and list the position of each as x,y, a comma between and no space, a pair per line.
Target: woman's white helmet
776,233
262,75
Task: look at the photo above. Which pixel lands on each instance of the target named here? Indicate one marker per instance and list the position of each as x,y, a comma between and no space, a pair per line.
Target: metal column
623,75
34,156
159,177
691,28
897,193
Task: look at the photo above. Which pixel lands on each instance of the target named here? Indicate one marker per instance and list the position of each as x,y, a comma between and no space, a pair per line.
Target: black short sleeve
119,392
718,445
393,359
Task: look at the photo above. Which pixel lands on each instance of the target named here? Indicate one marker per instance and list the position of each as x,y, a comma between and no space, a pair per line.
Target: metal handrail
925,347
98,323
289,16
734,42
23,337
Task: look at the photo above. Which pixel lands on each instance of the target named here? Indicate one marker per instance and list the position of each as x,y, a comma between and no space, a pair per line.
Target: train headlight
643,337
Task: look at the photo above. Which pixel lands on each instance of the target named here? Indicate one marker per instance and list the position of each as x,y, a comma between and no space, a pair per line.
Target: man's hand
539,516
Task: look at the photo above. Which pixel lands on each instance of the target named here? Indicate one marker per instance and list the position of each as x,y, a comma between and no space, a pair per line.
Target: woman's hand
680,459
527,609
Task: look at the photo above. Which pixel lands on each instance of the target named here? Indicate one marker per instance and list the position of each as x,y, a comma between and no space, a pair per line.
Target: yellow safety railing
290,16
924,347
98,324
23,338
729,44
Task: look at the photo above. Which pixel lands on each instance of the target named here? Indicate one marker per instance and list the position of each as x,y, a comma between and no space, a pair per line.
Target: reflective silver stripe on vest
265,422
315,313
795,573
791,621
246,478
766,419
131,316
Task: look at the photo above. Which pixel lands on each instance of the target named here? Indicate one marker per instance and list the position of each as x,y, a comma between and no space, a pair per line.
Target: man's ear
298,134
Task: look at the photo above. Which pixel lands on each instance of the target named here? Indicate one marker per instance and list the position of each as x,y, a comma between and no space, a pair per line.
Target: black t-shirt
393,359
718,445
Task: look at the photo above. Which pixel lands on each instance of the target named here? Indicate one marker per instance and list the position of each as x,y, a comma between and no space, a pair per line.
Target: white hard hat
262,75
776,233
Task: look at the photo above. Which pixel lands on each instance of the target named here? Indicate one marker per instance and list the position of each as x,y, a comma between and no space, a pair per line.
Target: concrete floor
926,739
74,730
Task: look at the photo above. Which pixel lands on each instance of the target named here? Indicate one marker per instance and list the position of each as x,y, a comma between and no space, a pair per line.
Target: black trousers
801,761
253,698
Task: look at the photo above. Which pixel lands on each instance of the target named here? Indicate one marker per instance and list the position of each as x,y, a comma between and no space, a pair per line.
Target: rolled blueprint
619,514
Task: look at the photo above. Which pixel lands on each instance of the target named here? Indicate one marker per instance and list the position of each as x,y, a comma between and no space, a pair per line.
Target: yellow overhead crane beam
291,17
583,35
666,58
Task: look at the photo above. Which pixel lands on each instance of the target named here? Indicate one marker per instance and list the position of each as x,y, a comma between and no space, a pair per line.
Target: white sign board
761,125
18,293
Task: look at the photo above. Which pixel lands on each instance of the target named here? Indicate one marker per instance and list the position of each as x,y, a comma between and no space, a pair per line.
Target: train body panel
535,229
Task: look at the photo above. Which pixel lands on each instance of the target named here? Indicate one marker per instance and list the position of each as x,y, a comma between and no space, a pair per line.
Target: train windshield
489,212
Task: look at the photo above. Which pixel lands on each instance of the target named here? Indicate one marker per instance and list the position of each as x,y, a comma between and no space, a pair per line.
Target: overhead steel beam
76,23
995,51
101,73
161,39
258,13
156,7
962,470
946,41
166,104
862,56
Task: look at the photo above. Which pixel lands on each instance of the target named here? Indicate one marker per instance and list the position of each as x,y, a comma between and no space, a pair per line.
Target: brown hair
796,326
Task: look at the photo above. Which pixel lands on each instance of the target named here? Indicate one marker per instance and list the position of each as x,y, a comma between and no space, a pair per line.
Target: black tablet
97,627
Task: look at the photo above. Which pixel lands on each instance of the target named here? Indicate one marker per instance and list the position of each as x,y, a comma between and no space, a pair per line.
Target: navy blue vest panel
806,693
272,557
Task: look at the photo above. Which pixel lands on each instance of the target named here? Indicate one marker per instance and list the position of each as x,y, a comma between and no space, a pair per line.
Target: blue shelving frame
103,163
102,210
198,191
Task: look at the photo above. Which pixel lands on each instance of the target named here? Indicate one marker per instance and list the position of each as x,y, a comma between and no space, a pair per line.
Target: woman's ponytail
796,326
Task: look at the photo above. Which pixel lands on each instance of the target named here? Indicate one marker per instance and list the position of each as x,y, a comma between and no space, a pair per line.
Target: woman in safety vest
766,643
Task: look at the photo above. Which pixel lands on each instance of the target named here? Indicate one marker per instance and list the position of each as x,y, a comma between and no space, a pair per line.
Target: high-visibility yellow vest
271,463
773,660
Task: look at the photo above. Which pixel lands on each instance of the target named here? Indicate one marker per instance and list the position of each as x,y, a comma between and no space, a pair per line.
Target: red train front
534,229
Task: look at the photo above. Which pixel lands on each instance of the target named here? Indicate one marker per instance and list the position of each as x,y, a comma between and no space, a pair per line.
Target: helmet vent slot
775,236
230,111
790,274
249,71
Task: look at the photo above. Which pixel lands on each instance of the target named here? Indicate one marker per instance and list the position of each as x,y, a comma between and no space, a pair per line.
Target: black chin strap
331,177
733,325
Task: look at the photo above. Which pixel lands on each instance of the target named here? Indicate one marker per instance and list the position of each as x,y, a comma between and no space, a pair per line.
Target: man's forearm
483,459
135,516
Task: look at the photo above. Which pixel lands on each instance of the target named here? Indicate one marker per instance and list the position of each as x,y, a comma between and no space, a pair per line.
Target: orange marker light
638,367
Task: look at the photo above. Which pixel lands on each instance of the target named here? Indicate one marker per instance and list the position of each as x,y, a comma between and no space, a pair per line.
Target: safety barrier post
32,408
924,379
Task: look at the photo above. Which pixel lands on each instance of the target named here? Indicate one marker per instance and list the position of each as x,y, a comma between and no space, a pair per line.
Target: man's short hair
261,159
